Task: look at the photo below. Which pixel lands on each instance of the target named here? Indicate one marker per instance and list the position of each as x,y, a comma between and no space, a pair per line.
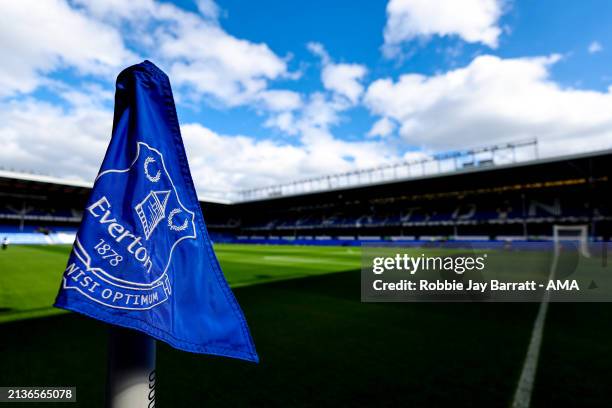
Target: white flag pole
131,369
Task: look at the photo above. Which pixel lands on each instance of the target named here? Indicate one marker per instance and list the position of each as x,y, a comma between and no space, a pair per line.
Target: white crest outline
178,198
85,258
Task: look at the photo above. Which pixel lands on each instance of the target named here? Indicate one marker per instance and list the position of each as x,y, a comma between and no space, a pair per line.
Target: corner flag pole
131,369
129,269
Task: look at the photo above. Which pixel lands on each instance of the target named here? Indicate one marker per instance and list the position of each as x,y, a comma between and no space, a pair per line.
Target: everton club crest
130,231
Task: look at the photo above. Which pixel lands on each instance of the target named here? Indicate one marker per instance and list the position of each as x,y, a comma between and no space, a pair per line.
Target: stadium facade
516,201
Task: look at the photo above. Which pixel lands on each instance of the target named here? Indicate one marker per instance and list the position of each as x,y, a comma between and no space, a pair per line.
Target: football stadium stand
513,201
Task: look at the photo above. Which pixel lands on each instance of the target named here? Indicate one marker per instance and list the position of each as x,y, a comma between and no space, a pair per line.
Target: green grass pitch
30,274
319,345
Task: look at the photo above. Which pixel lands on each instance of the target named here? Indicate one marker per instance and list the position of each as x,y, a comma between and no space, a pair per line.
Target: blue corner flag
142,258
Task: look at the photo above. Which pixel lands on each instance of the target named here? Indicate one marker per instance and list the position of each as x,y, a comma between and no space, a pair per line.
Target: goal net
576,234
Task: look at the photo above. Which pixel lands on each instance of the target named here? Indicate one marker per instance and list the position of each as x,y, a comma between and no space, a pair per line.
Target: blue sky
352,31
270,91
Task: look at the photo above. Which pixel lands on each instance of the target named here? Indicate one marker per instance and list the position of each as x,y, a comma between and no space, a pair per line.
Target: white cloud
202,59
474,21
415,155
319,50
68,143
493,100
69,140
490,100
40,37
319,113
382,127
260,163
208,8
594,47
212,62
118,9
226,163
281,100
344,80
284,121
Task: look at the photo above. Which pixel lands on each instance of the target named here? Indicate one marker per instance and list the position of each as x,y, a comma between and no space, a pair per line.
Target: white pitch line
524,388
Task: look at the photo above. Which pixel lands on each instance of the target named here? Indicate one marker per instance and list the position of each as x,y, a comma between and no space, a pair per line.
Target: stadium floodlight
572,233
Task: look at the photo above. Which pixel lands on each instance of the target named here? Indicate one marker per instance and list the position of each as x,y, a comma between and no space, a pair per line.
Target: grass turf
30,275
319,345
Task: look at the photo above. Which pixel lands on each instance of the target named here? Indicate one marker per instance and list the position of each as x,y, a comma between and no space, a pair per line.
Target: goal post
572,233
